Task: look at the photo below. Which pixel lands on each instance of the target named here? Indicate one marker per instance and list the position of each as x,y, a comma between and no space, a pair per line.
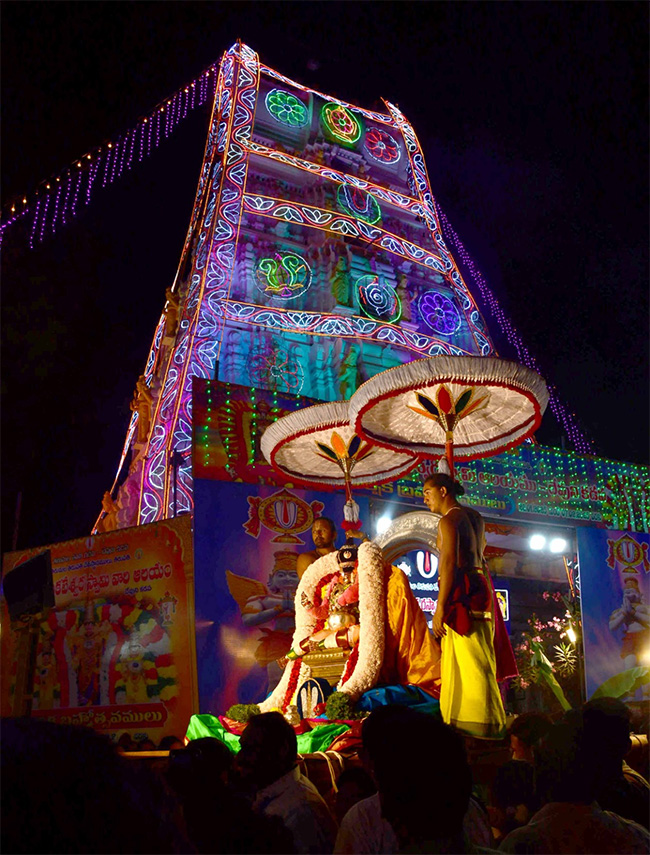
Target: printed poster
117,652
615,599
247,541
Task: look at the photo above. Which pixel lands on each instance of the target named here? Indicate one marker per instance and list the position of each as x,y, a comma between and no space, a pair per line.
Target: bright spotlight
383,524
537,541
558,544
572,635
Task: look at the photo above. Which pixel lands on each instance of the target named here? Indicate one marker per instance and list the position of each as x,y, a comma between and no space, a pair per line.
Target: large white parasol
318,446
464,406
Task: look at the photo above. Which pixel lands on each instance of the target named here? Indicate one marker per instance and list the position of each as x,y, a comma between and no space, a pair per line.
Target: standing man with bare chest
323,532
464,619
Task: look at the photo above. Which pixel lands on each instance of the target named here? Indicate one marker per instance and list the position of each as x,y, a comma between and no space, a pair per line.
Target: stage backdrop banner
117,652
615,599
247,539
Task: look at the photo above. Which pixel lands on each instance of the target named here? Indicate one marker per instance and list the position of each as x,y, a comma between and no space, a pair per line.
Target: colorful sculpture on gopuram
313,260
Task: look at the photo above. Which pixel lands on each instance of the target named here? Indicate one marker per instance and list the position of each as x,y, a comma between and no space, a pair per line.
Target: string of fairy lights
57,199
566,419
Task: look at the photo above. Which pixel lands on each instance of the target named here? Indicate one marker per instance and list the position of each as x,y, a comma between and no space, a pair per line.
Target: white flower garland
372,608
372,611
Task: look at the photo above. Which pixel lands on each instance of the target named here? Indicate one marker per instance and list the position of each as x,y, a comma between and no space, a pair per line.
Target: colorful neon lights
378,300
439,313
278,373
286,108
285,276
338,326
381,146
357,202
341,123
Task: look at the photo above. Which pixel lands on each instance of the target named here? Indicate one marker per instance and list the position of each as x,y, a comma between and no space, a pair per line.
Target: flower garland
368,656
372,612
305,626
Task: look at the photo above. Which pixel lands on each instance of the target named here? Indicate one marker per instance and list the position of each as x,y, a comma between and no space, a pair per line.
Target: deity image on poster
633,616
113,650
615,599
99,653
269,608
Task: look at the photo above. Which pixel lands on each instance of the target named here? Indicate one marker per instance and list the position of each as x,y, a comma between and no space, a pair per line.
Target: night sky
533,119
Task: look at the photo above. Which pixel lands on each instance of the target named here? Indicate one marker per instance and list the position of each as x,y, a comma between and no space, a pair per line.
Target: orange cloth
411,654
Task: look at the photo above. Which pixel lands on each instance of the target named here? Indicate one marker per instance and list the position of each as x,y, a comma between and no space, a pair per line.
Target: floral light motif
439,313
284,276
286,108
377,300
341,123
279,372
447,411
358,203
382,146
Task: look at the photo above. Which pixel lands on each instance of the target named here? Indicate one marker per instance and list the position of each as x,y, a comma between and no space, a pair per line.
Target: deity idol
352,607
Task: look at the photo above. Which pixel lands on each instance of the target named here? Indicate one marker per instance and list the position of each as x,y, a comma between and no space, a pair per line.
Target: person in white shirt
269,760
424,790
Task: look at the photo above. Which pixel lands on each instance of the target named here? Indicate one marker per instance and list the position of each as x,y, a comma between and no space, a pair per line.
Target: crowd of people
409,789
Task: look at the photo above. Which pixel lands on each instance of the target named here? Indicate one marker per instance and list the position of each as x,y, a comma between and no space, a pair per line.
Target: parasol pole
449,452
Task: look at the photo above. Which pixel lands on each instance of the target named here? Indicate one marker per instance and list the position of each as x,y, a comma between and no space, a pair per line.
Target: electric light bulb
537,541
558,544
383,524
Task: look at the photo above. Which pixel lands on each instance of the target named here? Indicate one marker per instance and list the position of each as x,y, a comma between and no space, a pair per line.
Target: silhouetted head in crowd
67,789
126,742
217,819
422,774
566,765
269,749
168,743
353,785
525,732
202,763
607,729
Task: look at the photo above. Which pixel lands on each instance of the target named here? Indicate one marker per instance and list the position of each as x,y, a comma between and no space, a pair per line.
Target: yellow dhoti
469,697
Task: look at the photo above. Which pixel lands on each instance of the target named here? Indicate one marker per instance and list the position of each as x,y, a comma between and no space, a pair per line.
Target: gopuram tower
313,260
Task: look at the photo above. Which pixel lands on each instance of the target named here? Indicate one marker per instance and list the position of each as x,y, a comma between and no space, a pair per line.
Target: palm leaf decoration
428,404
354,445
445,410
445,401
463,401
327,452
363,452
339,445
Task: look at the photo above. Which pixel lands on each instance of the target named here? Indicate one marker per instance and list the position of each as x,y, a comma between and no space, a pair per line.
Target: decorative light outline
337,127
365,282
346,195
368,144
432,296
272,100
268,267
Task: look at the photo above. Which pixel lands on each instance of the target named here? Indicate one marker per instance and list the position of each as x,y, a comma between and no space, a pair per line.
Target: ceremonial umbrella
464,406
317,446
